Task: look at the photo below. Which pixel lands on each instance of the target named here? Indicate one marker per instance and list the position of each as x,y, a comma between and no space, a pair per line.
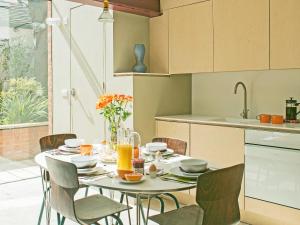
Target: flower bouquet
115,108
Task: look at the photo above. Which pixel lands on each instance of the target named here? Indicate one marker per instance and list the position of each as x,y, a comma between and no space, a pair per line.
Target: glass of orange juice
124,152
136,144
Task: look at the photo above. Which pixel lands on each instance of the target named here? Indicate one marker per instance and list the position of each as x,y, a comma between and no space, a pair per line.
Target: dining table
109,180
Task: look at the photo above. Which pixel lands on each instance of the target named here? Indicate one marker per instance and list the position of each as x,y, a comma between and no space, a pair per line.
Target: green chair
217,198
89,210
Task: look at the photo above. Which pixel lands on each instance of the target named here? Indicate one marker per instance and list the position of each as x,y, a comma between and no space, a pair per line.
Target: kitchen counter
232,122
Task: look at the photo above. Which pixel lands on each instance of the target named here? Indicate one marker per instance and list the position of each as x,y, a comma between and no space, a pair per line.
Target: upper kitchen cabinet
241,34
169,4
159,44
285,34
191,38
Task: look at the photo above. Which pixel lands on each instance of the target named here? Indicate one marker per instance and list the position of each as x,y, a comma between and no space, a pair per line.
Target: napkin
178,179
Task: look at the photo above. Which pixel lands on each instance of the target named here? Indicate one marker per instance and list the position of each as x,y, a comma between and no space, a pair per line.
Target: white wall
212,93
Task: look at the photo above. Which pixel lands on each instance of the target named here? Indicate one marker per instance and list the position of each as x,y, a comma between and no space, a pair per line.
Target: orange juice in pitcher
124,152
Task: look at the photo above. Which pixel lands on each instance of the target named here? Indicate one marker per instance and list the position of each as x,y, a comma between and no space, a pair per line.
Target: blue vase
139,52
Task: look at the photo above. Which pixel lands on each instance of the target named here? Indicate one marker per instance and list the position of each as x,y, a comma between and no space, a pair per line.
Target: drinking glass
136,140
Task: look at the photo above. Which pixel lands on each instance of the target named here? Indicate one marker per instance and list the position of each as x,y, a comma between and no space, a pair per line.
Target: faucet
244,114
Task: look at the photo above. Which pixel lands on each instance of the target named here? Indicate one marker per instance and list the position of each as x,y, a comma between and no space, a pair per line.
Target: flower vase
113,137
139,52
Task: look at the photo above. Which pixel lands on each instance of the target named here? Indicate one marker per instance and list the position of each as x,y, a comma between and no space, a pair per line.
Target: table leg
46,191
112,196
138,215
148,208
127,202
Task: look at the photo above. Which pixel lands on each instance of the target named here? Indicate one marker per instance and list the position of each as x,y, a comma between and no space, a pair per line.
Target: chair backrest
64,185
54,141
177,145
217,195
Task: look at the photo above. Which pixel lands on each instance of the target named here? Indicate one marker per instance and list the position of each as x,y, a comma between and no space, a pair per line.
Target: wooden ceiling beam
148,8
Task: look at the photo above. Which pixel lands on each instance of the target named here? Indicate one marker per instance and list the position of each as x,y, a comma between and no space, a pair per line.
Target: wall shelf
124,74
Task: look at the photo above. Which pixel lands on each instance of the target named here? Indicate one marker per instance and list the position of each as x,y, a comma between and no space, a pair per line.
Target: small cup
86,149
264,118
277,119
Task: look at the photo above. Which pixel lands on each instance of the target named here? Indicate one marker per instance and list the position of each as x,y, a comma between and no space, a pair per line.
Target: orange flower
129,98
106,99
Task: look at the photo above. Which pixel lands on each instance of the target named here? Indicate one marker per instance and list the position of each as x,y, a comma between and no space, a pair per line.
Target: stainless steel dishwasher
272,167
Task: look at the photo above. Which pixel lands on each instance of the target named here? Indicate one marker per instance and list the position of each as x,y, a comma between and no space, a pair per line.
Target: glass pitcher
124,152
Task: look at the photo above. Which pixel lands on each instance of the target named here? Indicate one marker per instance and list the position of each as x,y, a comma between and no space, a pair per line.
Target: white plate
156,146
74,142
177,172
108,159
131,182
84,160
88,170
64,148
167,152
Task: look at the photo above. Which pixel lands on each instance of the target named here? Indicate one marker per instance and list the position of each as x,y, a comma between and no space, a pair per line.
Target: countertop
232,122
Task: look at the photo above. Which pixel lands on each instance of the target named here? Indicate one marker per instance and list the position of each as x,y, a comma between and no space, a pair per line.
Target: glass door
23,81
87,72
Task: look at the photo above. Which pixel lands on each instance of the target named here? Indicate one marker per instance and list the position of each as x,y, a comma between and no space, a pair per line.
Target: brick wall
21,143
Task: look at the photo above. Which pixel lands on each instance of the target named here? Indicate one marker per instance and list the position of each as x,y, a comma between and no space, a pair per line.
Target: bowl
133,176
193,165
122,173
74,143
156,146
83,161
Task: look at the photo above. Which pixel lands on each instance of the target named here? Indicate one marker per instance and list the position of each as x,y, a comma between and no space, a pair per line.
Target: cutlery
177,180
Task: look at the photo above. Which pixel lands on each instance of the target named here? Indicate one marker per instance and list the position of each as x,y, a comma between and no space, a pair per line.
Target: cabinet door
221,146
169,4
241,35
259,212
174,130
191,38
159,44
285,34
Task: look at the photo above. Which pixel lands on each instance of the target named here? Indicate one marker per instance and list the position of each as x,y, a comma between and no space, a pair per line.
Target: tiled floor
7,164
20,203
14,175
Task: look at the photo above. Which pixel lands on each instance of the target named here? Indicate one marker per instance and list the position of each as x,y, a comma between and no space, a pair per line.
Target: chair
217,198
54,141
64,185
179,147
48,143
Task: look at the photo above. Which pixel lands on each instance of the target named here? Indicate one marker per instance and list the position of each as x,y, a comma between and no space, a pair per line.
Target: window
23,80
23,62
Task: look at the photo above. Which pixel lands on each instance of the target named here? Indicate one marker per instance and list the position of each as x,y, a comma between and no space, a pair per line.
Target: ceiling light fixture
106,16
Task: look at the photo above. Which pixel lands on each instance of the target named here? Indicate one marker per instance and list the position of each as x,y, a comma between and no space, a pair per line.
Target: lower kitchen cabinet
221,146
259,212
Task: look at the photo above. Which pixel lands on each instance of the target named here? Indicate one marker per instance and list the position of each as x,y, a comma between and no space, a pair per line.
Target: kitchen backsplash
212,93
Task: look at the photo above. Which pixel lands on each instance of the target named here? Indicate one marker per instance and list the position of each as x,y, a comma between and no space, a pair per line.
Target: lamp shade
106,16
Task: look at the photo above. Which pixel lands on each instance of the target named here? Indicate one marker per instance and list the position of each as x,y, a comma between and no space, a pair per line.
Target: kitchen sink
237,120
